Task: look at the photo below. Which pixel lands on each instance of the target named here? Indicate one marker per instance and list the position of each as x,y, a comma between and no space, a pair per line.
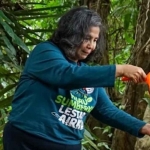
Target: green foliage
122,22
147,98
22,25
90,139
9,31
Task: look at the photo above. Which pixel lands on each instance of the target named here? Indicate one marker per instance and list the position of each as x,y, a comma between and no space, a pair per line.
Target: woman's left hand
145,129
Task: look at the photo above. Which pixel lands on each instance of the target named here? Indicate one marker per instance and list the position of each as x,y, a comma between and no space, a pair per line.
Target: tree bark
134,93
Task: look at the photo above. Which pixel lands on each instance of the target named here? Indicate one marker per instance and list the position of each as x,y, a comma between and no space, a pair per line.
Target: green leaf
2,127
134,17
87,133
8,88
4,17
39,17
15,38
4,73
6,102
91,143
41,9
20,43
8,44
147,100
3,70
7,28
103,144
26,13
107,129
121,2
127,20
129,39
31,3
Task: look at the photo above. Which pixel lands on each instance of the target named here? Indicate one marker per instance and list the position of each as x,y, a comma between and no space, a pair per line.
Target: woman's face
88,45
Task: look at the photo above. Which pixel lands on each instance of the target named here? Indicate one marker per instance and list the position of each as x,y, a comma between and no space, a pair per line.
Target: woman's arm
135,74
47,64
106,112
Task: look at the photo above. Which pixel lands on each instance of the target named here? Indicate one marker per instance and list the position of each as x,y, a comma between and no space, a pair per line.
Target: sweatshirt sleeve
47,64
106,112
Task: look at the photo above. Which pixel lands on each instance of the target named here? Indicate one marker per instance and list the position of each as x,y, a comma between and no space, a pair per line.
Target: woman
57,91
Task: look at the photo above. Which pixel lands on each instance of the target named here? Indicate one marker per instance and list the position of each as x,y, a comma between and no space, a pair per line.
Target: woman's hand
145,129
134,73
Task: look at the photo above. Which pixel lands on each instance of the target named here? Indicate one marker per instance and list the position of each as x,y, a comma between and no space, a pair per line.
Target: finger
134,79
140,76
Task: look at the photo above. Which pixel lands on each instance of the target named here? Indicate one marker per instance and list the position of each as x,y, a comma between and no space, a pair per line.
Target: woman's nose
90,44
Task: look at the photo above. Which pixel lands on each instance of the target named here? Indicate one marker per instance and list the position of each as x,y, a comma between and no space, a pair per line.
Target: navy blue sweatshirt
54,96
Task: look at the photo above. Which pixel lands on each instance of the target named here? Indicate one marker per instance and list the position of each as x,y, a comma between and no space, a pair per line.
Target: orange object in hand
147,80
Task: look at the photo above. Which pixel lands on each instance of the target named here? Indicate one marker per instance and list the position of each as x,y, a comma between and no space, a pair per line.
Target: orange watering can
147,80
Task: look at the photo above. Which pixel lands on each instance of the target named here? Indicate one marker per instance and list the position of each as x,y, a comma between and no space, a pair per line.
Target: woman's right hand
134,73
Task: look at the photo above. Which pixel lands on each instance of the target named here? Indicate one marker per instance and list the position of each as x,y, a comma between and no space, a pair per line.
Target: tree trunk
134,93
